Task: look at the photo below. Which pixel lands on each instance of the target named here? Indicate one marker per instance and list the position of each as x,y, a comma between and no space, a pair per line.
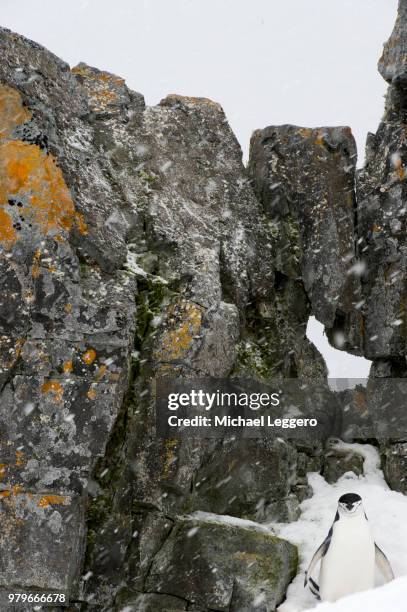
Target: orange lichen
92,394
54,387
5,494
68,308
32,178
68,367
3,469
19,458
176,342
7,232
12,111
54,500
35,268
100,86
89,356
30,175
80,224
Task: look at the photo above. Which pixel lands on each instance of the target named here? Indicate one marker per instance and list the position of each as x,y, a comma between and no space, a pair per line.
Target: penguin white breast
348,566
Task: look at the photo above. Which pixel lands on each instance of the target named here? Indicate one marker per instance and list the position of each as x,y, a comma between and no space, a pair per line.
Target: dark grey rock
236,481
150,532
305,181
381,216
36,527
223,567
381,242
395,466
393,63
338,461
66,315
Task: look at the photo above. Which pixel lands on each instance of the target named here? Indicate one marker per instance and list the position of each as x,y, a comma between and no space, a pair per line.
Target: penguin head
350,504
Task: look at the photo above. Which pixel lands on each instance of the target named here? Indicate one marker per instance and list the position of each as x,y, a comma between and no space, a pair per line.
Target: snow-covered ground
387,514
391,597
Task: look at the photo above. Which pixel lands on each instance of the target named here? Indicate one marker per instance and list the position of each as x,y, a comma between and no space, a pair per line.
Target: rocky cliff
134,244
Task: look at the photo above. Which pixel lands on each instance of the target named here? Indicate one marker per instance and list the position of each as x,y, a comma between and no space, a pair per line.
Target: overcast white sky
308,62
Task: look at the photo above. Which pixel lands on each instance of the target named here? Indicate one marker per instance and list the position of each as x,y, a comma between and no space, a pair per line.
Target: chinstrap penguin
348,554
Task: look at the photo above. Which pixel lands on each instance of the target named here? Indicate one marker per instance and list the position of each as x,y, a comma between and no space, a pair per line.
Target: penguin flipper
383,563
319,553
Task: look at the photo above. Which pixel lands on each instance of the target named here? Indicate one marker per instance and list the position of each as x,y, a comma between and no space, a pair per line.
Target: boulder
338,461
223,566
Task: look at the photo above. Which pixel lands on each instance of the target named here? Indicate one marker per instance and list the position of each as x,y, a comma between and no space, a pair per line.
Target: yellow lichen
52,500
176,342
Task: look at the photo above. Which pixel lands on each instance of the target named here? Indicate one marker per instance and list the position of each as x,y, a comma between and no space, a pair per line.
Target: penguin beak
350,508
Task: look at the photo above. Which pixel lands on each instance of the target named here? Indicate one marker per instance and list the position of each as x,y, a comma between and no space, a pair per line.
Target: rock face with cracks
134,245
305,181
